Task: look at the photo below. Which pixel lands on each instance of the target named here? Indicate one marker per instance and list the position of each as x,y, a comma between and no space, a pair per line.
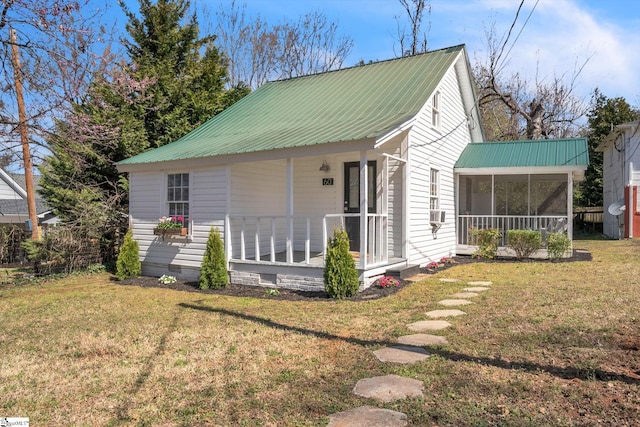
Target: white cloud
559,36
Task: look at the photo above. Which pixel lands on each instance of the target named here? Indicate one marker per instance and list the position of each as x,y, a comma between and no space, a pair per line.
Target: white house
13,201
371,149
621,180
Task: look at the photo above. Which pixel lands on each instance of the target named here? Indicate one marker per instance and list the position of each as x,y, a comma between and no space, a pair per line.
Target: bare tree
414,40
56,44
515,108
258,51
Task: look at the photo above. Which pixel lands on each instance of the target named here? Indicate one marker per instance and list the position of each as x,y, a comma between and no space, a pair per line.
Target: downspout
631,204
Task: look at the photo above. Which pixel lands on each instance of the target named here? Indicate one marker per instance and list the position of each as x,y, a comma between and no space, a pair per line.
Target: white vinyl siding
430,149
147,204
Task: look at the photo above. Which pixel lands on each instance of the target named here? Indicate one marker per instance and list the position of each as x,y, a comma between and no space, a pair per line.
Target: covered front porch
278,226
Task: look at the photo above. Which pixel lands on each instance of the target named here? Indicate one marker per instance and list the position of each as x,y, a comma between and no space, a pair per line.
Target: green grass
549,344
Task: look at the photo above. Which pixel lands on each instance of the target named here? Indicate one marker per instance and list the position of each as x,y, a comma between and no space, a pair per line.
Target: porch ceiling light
325,166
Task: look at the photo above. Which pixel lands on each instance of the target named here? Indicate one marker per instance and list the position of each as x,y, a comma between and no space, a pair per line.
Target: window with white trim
434,189
178,195
435,110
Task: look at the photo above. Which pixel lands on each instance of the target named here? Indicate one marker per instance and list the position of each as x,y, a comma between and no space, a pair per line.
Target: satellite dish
617,208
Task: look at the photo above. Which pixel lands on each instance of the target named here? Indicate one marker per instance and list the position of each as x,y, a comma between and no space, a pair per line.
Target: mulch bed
373,292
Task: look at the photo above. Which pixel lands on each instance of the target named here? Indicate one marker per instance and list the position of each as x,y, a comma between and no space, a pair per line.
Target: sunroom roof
572,153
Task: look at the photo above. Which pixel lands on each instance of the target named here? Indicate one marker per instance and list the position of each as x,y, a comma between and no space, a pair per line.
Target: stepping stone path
464,295
394,387
389,388
444,313
368,416
454,302
428,325
422,340
402,354
476,289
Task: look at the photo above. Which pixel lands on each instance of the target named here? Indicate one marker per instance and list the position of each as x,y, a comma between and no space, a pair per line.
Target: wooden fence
588,218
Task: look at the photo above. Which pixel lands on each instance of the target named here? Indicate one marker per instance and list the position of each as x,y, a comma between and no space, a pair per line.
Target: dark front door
352,198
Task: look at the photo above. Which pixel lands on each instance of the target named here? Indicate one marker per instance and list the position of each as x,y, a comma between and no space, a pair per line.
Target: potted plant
171,226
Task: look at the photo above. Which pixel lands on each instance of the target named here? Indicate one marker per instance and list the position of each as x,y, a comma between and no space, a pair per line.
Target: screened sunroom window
514,195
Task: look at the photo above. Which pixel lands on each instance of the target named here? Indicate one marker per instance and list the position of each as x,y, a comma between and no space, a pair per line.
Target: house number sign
327,181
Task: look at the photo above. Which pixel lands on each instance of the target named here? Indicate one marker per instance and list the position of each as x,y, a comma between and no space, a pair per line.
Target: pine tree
213,272
128,264
189,73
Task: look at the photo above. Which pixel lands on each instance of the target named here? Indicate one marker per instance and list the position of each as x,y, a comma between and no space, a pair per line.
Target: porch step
403,272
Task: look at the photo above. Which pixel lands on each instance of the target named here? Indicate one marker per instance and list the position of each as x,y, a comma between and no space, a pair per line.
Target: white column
570,207
290,210
364,205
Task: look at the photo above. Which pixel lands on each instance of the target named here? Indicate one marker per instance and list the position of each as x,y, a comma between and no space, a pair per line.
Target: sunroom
517,185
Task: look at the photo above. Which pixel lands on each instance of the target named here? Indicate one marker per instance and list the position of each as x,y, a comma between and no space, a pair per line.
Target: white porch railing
300,238
544,224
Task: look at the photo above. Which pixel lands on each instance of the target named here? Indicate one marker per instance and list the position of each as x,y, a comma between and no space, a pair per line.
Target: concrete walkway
410,350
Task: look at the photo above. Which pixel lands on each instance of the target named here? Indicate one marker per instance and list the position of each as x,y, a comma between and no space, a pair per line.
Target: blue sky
559,36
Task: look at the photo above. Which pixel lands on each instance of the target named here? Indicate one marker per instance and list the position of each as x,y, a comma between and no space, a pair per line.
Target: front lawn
550,344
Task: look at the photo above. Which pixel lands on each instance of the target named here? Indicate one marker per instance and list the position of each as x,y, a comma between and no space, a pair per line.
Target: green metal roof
529,153
350,104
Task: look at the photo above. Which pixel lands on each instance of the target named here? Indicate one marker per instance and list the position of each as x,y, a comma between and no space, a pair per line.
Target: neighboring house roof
19,207
22,182
358,103
17,203
548,153
615,133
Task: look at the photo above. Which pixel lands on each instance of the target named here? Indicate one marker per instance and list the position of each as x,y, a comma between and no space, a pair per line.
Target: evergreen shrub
487,240
524,242
213,272
340,274
557,245
128,263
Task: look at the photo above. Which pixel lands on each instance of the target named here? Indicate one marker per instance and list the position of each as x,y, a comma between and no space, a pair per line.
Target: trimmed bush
213,272
128,263
340,274
557,245
487,240
524,242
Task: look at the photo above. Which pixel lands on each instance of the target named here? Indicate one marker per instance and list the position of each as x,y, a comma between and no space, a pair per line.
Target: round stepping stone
446,280
444,313
422,340
480,283
401,354
368,416
388,388
428,325
465,295
475,289
454,302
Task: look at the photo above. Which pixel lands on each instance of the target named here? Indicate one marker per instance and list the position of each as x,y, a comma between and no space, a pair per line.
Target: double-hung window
178,196
435,111
434,189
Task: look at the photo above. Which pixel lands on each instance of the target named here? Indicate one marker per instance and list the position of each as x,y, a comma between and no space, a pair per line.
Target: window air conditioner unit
437,217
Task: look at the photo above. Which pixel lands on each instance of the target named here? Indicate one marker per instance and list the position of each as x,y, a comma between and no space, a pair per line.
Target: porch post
290,210
570,207
364,206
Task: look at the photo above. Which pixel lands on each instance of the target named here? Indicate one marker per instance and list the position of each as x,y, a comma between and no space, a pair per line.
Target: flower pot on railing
169,232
